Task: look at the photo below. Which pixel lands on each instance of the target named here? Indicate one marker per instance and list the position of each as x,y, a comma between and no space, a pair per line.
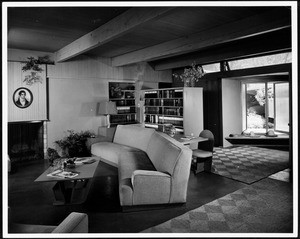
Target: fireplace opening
25,141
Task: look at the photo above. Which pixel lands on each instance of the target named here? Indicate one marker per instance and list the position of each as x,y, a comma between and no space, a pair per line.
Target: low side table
71,190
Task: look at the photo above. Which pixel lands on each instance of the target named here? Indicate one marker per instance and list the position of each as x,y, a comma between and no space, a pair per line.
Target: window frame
244,103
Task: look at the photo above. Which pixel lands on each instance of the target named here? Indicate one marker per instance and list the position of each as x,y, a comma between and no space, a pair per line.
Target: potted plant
74,144
191,74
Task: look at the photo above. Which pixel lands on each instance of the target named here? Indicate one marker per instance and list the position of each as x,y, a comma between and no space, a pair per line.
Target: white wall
37,109
232,109
75,87
18,55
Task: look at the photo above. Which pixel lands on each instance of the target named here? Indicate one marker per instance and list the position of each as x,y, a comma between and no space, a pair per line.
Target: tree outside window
266,106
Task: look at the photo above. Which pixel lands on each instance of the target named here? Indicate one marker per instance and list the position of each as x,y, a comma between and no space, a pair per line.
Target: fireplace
26,141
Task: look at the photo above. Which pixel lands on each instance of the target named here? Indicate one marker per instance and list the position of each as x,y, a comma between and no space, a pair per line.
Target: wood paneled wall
38,109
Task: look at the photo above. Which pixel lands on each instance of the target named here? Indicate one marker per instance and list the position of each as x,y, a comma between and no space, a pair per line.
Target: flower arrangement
191,74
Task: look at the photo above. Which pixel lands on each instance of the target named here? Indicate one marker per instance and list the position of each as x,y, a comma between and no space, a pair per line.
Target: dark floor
31,202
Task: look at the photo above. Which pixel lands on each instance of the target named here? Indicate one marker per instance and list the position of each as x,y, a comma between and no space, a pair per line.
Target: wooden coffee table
72,190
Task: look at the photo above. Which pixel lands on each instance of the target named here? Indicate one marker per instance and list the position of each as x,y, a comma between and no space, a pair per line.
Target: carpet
248,164
264,207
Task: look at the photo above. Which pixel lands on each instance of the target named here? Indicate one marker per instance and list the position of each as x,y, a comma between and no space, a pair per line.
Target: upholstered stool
202,157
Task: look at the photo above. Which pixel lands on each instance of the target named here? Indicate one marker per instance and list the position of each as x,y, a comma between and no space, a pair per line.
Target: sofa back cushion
163,153
133,136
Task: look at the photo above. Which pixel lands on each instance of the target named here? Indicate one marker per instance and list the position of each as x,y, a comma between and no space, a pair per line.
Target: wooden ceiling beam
128,21
247,27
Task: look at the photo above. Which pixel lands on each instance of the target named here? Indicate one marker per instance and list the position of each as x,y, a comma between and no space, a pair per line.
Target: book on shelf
62,174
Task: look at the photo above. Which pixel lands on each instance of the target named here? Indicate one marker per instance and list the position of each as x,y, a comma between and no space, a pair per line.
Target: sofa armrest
150,187
145,173
74,223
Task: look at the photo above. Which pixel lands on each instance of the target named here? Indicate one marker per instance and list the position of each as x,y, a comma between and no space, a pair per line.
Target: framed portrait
22,97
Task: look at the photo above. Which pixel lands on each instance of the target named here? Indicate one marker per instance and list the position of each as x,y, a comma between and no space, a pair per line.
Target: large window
266,106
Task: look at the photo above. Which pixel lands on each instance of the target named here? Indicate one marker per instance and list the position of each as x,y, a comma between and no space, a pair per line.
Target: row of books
163,102
164,94
169,111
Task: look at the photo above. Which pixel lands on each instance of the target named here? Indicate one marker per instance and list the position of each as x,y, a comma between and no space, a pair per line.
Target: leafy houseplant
191,74
33,65
74,144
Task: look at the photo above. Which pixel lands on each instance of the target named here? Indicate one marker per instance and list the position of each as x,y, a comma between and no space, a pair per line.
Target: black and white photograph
22,97
171,119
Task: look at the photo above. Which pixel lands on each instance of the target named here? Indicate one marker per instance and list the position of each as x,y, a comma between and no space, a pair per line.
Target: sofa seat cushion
111,152
131,161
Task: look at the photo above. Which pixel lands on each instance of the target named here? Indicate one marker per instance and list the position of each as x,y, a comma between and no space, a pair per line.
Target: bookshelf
124,95
181,107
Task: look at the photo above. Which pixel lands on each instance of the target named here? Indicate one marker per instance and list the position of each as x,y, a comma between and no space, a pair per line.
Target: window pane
270,105
211,68
274,59
282,106
255,97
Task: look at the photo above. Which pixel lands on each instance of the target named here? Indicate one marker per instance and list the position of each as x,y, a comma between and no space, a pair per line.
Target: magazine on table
62,174
79,161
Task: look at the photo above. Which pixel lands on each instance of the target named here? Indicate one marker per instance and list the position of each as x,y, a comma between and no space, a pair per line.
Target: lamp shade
107,108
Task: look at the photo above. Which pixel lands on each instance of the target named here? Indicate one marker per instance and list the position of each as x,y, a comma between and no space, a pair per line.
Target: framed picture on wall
117,90
22,97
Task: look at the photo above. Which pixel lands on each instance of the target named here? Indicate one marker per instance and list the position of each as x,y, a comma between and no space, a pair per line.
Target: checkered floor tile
248,164
264,207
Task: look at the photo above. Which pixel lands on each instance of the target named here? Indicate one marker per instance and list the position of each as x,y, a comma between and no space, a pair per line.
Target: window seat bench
260,140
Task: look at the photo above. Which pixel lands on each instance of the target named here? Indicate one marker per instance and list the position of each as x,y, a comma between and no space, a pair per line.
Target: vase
186,83
192,83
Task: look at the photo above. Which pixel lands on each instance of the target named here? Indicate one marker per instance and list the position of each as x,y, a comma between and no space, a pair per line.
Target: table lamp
107,108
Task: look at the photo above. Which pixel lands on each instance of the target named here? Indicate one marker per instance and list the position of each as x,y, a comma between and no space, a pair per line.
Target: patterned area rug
264,207
248,164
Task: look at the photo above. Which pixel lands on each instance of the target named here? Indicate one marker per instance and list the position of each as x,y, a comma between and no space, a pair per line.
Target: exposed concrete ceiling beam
128,21
247,27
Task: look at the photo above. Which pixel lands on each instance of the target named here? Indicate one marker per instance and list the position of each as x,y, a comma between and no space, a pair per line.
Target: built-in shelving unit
124,95
163,107
181,107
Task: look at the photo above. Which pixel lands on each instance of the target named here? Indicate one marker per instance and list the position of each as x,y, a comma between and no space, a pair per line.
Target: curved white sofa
75,222
153,168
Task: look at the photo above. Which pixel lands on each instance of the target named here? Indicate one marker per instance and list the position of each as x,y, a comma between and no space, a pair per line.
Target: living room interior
113,78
